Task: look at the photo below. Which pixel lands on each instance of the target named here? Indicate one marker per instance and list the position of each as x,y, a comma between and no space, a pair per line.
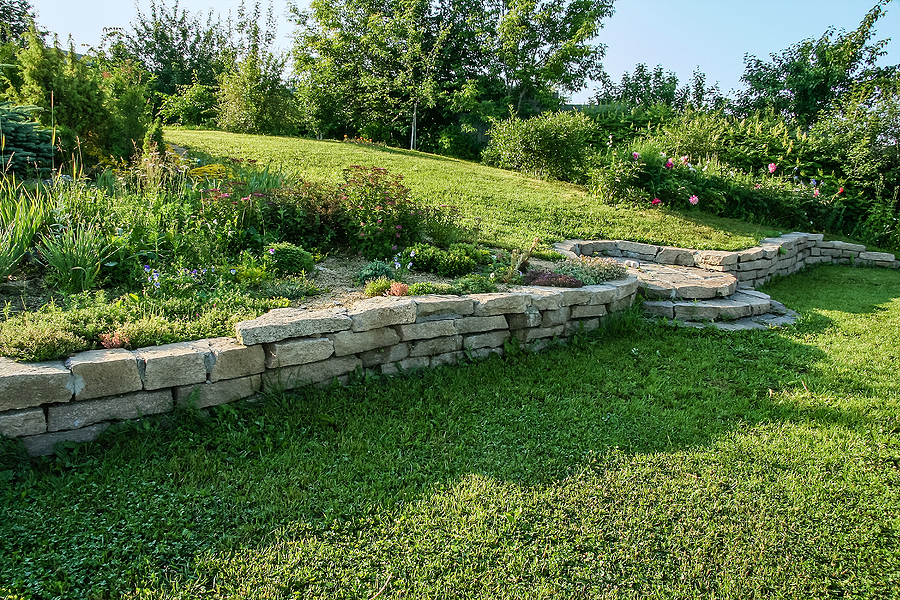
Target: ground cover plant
645,462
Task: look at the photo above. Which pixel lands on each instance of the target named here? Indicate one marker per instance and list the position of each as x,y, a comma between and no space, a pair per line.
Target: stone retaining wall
46,403
752,267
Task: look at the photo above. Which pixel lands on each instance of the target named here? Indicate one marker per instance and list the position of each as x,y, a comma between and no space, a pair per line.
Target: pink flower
669,164
816,193
841,191
772,167
684,160
635,156
399,227
693,200
655,201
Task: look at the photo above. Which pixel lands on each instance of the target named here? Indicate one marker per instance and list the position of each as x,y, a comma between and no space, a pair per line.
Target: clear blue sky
681,35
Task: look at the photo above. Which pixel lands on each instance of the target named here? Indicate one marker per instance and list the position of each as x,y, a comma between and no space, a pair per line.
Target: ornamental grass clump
378,286
591,270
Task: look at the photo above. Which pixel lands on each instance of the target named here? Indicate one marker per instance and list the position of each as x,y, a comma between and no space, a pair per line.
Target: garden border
77,399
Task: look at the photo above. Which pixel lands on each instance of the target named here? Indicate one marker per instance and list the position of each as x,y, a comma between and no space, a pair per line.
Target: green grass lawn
645,462
513,208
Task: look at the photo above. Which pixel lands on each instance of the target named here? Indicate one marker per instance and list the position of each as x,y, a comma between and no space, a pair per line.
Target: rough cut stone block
230,360
620,304
429,329
884,264
436,346
99,373
448,358
538,333
225,391
375,313
373,358
297,352
675,256
605,248
494,339
602,293
405,366
815,237
832,252
76,415
585,312
287,378
543,298
427,306
552,318
573,296
848,246
483,353
624,287
815,251
348,342
530,318
882,256
757,301
750,255
25,385
170,365
479,324
647,250
659,308
43,445
715,258
19,423
825,244
487,305
284,323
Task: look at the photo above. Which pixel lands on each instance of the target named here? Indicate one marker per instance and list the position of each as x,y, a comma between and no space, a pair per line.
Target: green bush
193,105
374,270
26,146
591,270
288,259
474,283
377,287
75,254
448,263
552,145
423,288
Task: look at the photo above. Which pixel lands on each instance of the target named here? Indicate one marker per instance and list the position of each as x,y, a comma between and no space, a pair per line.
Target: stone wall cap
283,323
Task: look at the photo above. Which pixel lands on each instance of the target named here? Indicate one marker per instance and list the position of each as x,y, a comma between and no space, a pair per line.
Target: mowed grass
513,208
644,462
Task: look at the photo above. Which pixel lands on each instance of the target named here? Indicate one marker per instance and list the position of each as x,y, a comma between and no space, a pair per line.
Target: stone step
671,282
742,310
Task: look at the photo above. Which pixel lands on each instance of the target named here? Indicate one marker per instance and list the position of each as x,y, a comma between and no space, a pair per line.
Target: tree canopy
16,16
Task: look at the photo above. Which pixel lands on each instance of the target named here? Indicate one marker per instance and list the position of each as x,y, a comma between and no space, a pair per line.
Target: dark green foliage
423,288
288,259
192,105
806,78
548,146
654,88
25,147
374,270
16,16
309,214
474,283
454,262
153,139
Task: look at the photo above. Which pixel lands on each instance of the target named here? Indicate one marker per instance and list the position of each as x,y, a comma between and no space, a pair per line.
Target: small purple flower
271,250
399,227
147,268
655,201
233,271
635,156
669,164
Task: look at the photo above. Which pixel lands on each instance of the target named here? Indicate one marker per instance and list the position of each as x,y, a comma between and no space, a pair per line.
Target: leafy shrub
546,278
153,139
292,288
22,215
378,287
382,215
374,270
308,214
288,259
474,283
448,263
552,145
591,270
193,105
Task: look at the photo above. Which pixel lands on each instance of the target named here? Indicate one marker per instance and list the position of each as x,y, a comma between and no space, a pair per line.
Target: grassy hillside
513,208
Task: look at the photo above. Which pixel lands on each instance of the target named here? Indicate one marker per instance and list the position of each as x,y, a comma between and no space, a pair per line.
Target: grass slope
647,462
514,209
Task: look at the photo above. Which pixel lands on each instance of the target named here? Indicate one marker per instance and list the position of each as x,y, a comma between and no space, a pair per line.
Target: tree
16,16
652,88
373,66
809,76
175,45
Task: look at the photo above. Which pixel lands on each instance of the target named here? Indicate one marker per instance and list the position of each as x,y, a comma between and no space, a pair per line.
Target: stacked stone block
47,403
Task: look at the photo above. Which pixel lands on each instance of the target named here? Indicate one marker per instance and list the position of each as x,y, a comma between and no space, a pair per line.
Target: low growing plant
75,254
374,270
288,259
591,270
378,286
546,278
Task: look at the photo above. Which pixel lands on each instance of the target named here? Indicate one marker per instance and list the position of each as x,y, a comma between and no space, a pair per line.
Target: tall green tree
16,16
646,87
809,76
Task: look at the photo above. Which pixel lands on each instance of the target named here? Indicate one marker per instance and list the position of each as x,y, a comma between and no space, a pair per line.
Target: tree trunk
412,139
